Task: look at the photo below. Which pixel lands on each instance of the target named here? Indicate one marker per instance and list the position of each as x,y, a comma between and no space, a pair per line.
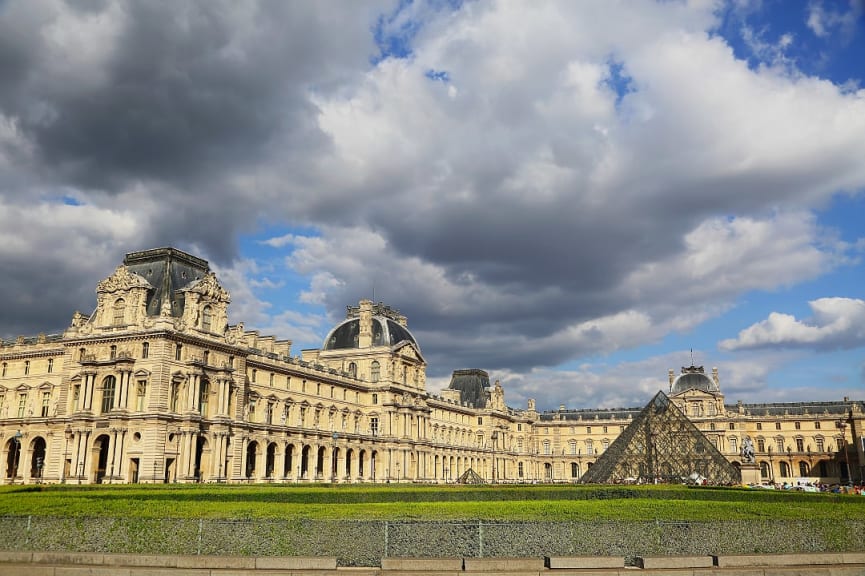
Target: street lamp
790,461
335,437
771,466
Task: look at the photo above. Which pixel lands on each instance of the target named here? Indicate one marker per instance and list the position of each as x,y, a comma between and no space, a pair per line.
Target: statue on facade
748,456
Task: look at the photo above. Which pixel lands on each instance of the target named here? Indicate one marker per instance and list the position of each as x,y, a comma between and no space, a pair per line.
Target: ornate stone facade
155,386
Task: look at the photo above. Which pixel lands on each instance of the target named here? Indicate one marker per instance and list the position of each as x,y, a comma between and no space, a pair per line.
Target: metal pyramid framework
661,445
470,477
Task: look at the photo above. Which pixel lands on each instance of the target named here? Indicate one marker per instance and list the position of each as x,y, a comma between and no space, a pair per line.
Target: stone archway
251,454
287,468
37,459
270,460
13,457
202,459
101,449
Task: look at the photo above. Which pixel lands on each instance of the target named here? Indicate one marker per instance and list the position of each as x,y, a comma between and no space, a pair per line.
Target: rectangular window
271,379
22,404
572,445
50,365
605,429
26,367
268,416
480,420
800,444
178,352
546,446
301,416
733,446
254,374
732,425
588,429
2,403
375,398
76,394
779,444
590,448
759,425
519,427
711,425
145,350
373,426
819,444
251,415
113,352
46,402
520,469
798,425
761,445
140,392
777,425
519,444
817,425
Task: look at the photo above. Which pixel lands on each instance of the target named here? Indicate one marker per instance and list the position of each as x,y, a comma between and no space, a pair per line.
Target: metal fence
364,543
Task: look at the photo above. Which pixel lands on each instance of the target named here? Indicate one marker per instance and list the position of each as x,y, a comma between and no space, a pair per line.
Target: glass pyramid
662,445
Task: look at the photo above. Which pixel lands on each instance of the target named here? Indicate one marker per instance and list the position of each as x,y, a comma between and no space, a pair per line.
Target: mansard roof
472,384
805,409
168,271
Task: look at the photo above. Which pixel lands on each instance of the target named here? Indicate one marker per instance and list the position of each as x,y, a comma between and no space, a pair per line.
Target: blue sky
572,196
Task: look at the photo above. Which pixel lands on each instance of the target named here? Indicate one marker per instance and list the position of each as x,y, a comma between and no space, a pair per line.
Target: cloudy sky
574,196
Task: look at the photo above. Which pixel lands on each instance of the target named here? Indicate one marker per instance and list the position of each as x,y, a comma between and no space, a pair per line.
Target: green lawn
405,502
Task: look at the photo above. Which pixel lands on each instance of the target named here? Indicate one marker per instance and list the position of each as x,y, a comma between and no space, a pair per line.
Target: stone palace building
155,386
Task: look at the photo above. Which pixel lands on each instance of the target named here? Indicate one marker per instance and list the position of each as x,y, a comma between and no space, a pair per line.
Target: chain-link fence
364,543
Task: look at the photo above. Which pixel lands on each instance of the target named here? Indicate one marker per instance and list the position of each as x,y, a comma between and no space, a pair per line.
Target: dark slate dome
385,332
693,378
472,384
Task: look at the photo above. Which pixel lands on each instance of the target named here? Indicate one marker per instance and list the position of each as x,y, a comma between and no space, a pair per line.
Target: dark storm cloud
182,95
155,116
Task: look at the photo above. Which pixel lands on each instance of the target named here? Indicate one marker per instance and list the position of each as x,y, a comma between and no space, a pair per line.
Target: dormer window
206,318
118,310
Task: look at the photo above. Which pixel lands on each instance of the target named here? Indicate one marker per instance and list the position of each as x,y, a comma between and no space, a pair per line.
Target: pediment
121,280
409,351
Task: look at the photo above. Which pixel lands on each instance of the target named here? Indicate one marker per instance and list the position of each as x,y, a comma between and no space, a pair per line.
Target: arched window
785,470
109,386
764,469
575,470
375,371
206,318
803,469
119,308
145,349
590,449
